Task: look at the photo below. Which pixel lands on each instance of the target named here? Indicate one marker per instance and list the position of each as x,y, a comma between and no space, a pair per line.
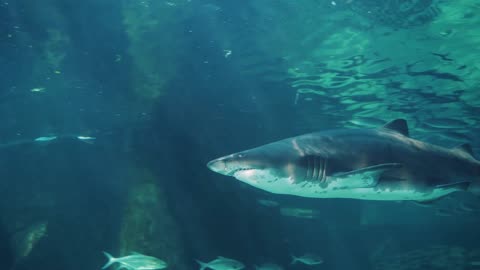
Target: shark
382,163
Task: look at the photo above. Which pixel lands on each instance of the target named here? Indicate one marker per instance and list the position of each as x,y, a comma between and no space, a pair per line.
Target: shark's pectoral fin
444,191
362,178
428,203
458,186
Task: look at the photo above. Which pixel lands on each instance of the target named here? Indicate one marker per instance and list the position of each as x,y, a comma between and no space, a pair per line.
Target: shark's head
272,167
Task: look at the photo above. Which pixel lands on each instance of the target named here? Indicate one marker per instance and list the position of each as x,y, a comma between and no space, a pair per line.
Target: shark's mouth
232,173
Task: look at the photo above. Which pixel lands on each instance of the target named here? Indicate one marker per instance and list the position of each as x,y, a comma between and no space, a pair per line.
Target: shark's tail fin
466,151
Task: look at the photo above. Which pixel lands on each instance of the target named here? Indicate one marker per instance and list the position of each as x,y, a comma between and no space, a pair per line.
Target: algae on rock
55,48
156,41
148,226
45,34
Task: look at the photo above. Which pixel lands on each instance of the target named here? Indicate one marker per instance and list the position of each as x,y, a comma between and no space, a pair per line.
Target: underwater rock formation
365,60
55,48
41,29
17,243
25,240
395,13
455,29
148,226
156,40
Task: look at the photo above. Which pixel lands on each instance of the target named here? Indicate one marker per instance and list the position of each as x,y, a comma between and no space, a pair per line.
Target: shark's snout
218,165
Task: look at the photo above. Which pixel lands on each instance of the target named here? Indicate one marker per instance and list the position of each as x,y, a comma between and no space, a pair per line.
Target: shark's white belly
316,190
362,193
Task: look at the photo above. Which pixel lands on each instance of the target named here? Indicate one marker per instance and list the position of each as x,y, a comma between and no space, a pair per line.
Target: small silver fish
308,259
45,139
222,263
268,203
298,212
87,139
135,261
37,89
227,53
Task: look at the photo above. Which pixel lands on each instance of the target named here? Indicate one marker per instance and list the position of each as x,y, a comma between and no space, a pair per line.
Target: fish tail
294,259
110,258
202,264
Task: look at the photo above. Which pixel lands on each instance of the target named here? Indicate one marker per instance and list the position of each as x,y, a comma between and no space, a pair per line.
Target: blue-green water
111,109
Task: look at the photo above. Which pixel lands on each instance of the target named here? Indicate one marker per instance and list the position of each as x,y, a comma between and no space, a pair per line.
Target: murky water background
111,109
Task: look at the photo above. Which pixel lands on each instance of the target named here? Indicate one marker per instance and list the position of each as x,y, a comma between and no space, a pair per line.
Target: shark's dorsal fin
398,125
466,148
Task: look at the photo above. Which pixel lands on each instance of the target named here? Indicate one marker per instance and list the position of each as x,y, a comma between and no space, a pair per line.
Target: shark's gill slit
319,168
315,168
324,170
308,166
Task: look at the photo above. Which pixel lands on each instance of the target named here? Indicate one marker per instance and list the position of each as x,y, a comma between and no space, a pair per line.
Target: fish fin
111,260
294,259
135,253
88,142
468,208
464,148
427,203
364,177
202,264
221,257
459,186
398,125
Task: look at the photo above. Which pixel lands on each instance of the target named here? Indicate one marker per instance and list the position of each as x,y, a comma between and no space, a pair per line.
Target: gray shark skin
367,164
